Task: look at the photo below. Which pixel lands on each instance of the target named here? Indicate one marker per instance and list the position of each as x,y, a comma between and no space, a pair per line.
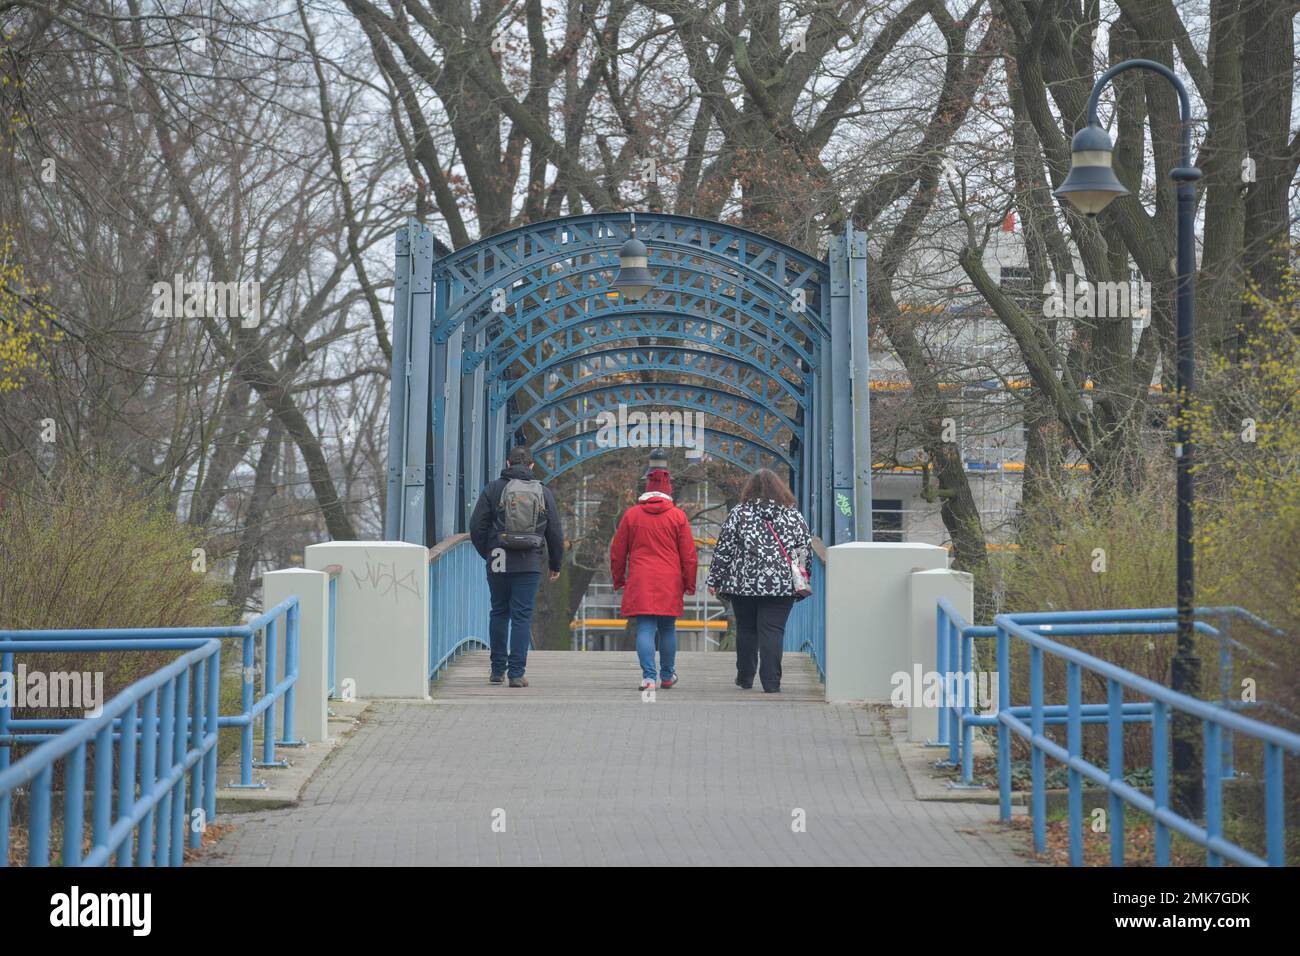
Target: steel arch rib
533,300
686,356
755,260
650,225
539,327
675,394
716,444
745,347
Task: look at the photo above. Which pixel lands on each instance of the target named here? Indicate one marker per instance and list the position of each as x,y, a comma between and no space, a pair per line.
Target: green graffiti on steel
842,502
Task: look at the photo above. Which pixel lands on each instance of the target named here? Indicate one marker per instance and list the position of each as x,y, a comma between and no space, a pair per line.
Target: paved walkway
579,770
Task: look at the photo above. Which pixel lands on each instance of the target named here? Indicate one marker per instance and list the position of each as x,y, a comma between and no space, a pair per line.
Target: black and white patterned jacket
747,560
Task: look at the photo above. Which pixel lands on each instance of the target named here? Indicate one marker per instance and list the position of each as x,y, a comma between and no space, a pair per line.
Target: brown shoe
519,682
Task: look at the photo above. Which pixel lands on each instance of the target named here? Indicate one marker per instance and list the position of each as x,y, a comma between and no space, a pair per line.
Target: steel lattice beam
567,328
569,372
680,289
569,452
763,274
574,410
526,317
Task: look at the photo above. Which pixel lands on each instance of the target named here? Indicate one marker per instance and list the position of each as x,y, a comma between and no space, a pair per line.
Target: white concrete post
868,614
310,710
927,587
382,619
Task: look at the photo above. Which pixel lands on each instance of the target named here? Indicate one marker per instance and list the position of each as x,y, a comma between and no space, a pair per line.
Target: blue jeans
646,627
513,593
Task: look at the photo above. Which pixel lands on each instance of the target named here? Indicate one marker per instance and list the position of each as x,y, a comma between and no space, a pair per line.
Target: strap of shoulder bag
778,539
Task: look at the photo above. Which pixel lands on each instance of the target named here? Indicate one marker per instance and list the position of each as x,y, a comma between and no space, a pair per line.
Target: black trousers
760,635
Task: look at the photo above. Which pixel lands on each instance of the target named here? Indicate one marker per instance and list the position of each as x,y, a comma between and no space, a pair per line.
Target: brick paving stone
583,771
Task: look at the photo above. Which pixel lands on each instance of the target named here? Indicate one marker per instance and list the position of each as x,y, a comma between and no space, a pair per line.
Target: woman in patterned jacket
751,569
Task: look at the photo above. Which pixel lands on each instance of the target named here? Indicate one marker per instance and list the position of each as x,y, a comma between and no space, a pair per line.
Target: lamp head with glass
1092,183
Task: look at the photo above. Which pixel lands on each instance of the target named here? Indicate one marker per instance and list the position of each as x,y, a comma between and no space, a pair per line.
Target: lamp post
1090,187
633,280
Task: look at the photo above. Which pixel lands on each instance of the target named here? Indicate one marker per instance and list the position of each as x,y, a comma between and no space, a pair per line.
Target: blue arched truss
565,372
521,334
759,420
508,342
560,456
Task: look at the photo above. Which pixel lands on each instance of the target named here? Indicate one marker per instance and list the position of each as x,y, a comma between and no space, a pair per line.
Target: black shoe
771,690
519,682
497,678
741,684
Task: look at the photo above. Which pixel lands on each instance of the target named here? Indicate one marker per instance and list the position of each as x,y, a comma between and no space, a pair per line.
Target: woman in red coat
653,554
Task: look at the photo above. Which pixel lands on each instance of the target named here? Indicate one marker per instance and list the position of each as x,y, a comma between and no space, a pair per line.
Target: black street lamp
633,279
1090,187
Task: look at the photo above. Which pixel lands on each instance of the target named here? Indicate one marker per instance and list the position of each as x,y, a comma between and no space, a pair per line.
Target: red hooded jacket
653,555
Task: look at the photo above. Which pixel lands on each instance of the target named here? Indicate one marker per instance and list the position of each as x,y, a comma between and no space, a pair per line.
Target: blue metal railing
160,729
1225,616
805,629
274,689
459,602
955,652
331,625
955,639
954,656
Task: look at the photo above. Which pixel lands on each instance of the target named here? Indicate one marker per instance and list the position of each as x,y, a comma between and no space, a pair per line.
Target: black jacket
486,520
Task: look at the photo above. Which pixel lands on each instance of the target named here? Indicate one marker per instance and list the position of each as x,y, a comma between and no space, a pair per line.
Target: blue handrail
175,734
955,637
331,615
953,648
1163,702
459,601
805,629
274,689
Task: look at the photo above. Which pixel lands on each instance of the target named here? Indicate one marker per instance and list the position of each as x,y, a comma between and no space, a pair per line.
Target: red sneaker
670,682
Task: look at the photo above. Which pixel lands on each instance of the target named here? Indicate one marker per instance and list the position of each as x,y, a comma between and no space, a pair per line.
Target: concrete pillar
868,614
927,587
310,710
382,618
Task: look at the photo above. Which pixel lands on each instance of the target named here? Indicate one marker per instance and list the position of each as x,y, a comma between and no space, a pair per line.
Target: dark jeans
760,637
513,593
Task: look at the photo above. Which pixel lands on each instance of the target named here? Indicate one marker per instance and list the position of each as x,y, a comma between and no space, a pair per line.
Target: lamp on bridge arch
633,279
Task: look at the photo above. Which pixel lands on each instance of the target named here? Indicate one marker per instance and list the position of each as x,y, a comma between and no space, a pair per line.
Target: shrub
1083,552
1080,552
1249,536
1246,427
89,549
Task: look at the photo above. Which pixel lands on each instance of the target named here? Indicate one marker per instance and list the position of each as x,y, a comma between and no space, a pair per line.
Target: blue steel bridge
518,337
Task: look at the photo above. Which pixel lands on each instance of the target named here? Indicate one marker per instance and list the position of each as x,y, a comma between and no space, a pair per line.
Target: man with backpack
514,517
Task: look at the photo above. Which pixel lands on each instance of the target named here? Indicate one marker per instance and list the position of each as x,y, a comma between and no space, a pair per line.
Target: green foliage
1246,428
1056,776
25,320
1248,431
